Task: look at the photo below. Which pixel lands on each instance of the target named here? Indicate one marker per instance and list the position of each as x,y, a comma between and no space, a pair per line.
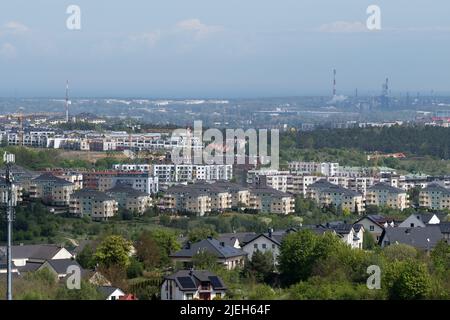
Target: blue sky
228,48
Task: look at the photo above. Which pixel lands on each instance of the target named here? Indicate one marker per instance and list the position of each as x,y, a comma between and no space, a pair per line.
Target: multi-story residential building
71,176
105,180
383,194
181,199
298,183
130,199
268,200
325,193
95,204
320,168
435,197
51,189
4,190
133,167
275,179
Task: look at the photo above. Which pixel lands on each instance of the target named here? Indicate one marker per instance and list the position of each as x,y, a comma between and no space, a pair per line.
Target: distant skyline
224,49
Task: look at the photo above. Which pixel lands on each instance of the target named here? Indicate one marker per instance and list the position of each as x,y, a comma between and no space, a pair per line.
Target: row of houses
61,263
202,198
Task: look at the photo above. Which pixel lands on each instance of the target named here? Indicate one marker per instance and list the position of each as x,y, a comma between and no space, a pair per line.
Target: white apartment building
321,168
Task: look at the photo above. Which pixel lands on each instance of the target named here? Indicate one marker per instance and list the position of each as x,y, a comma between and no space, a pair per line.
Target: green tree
368,241
204,260
198,234
87,291
440,256
407,280
399,252
113,250
86,257
147,250
261,265
167,242
135,269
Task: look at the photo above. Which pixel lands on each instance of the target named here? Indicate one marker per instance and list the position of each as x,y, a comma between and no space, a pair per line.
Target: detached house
375,224
192,285
229,256
420,238
421,220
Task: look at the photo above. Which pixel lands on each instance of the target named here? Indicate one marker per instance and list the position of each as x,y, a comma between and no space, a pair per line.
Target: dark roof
107,290
33,251
274,236
210,245
387,187
263,190
48,177
94,194
436,188
230,238
125,188
190,280
30,267
377,219
61,265
416,237
445,227
326,186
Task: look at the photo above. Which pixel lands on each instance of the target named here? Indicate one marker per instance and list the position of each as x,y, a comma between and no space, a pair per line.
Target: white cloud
146,38
343,27
14,28
196,27
7,50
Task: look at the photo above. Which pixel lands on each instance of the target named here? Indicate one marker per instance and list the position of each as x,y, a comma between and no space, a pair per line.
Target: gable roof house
227,255
269,241
30,257
111,293
420,238
375,224
422,220
61,267
192,284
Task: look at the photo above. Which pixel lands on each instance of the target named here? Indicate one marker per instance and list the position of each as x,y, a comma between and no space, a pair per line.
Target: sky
222,49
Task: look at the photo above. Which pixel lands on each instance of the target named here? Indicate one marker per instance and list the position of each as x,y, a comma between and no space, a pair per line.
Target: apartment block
94,204
383,194
51,189
435,197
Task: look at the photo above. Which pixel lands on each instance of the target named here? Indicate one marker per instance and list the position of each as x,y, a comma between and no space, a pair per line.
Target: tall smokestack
334,82
67,101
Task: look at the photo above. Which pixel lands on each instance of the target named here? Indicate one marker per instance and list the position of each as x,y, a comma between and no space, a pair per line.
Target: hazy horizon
233,49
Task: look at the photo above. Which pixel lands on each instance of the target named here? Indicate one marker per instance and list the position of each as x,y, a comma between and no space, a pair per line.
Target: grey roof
326,186
426,217
33,251
264,190
125,188
377,219
274,236
445,227
416,237
436,188
30,267
94,194
107,290
230,238
48,177
61,265
210,245
387,187
195,278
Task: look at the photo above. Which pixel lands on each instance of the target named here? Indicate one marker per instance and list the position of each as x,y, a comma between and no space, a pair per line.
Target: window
412,225
264,246
255,246
371,228
189,296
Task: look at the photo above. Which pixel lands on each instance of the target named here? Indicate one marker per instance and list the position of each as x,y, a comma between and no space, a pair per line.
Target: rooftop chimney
270,231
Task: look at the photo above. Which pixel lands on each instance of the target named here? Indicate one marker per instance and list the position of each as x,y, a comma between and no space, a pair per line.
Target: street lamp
8,160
